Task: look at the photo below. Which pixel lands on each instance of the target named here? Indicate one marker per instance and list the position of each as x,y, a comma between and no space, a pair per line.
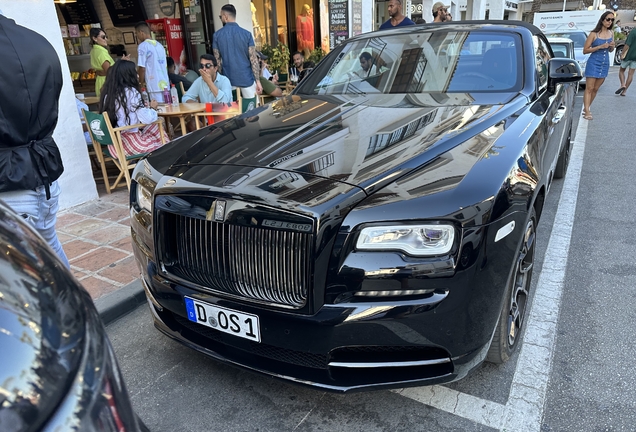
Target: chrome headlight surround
418,240
143,194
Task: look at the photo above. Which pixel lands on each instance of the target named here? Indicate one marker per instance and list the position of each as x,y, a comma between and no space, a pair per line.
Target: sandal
588,117
623,94
620,90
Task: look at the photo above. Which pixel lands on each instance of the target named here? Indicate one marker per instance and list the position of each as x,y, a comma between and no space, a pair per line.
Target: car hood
363,142
41,327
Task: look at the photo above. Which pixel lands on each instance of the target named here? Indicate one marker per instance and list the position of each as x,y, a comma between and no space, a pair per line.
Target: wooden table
90,100
181,111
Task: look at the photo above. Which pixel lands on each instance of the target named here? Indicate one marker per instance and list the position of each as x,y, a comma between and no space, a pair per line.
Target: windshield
421,62
559,49
577,37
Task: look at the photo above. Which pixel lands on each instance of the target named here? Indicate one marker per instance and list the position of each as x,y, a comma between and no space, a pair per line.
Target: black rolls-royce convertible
376,228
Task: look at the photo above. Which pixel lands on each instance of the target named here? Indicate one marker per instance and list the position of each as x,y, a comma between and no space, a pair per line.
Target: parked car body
578,37
57,368
374,229
563,47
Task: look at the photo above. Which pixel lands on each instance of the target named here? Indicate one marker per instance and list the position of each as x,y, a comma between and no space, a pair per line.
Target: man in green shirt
268,81
628,61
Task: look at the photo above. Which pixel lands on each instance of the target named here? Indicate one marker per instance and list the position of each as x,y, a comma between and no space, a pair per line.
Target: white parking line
525,406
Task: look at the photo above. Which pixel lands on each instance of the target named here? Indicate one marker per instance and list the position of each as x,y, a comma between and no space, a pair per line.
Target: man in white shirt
151,63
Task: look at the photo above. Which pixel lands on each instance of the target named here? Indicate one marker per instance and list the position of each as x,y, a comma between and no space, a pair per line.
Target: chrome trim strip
389,364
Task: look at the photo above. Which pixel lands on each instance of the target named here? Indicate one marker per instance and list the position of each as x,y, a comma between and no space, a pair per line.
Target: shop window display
305,29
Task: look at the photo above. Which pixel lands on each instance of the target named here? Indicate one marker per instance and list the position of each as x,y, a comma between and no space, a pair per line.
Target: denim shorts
39,212
628,64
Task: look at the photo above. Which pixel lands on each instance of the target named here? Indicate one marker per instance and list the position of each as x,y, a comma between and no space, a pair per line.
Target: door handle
559,115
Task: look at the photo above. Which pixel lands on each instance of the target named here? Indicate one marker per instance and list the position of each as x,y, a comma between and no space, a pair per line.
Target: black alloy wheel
514,310
617,55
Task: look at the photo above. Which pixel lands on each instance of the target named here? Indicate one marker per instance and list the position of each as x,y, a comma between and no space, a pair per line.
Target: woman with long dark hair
599,44
122,101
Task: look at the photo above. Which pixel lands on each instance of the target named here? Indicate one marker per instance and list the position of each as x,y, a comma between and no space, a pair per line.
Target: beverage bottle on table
166,95
145,97
174,96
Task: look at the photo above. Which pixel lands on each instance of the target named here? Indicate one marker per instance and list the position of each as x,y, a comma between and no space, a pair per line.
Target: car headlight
144,198
416,240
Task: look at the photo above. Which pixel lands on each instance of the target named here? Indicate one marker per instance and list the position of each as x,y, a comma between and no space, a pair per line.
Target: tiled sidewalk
96,239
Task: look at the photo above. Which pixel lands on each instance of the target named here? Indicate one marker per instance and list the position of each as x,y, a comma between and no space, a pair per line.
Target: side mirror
562,70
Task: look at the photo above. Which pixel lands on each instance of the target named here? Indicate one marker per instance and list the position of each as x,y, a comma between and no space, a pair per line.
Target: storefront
292,23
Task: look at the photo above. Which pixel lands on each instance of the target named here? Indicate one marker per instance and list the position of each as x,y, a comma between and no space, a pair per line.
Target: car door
554,107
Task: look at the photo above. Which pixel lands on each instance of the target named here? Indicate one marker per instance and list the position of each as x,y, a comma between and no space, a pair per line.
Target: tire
617,56
513,313
564,157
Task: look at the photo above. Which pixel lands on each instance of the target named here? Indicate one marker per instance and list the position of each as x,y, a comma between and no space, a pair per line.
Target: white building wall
77,182
367,15
243,13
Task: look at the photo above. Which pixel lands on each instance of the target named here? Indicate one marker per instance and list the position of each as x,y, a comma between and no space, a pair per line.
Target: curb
117,304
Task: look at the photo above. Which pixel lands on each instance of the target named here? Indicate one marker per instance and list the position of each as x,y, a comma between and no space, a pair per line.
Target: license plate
222,319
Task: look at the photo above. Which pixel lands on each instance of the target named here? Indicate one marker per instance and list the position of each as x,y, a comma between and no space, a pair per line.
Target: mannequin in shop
305,30
256,29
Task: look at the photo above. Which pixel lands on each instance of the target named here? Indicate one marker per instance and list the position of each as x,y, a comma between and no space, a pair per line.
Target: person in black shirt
30,161
174,77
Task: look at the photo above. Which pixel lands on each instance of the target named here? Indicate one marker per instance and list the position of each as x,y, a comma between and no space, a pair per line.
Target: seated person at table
211,86
268,81
298,59
82,106
121,99
174,77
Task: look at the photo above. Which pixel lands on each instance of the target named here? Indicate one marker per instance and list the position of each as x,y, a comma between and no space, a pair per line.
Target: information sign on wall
338,22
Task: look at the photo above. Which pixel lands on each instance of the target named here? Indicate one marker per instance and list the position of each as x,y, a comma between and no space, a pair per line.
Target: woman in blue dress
599,44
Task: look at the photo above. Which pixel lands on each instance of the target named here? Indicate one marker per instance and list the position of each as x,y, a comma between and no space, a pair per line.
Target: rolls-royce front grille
266,265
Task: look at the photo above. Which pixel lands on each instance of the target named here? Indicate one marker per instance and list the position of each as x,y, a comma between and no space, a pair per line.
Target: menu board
81,12
338,22
126,13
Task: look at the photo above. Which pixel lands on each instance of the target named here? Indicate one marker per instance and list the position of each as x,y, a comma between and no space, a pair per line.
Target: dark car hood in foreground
41,328
362,141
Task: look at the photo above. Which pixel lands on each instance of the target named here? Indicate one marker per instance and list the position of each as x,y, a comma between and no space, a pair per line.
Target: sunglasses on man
206,65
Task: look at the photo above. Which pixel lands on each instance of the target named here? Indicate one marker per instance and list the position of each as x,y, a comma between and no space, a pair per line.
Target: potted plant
316,55
278,59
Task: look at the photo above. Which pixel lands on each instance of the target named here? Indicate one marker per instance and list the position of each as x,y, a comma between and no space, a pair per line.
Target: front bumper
349,345
343,347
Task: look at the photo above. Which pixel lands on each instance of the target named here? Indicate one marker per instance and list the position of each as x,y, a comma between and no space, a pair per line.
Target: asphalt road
589,378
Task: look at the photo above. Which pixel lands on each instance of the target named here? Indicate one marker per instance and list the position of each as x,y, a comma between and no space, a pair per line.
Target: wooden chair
237,97
103,134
